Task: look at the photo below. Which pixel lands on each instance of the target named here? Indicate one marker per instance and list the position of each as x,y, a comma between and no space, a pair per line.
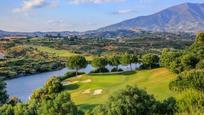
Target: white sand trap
87,91
86,81
79,76
98,92
73,82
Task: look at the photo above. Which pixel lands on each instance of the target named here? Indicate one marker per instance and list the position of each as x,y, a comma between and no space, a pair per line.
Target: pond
23,87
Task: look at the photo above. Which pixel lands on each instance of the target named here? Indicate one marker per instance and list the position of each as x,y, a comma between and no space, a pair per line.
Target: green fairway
61,53
153,81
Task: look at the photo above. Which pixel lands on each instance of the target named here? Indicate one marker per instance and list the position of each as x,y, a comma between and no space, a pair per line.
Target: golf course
92,89
60,53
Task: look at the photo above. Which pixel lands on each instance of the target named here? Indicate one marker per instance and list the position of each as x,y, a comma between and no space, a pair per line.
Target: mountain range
187,17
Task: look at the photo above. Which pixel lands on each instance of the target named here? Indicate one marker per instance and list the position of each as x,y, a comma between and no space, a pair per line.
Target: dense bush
133,101
190,58
200,65
168,56
53,85
191,79
59,105
190,102
189,61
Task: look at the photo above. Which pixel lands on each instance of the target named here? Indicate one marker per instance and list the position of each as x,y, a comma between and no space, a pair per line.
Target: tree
189,61
76,62
53,85
99,63
176,66
14,100
150,60
127,59
115,61
60,105
3,93
168,56
38,94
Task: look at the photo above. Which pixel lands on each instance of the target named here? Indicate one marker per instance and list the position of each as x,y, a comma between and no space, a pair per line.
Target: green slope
61,53
153,81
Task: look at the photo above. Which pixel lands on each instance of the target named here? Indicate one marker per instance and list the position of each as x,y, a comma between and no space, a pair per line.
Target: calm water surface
24,86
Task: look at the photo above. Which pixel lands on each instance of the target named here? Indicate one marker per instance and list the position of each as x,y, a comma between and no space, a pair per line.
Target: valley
101,57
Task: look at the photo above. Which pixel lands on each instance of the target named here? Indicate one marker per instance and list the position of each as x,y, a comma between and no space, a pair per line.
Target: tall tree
127,59
99,63
150,60
76,62
53,85
115,61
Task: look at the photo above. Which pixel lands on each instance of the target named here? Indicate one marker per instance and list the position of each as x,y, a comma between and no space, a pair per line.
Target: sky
75,15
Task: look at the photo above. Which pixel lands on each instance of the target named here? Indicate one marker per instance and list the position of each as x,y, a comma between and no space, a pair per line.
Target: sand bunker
86,81
98,92
87,91
79,76
73,82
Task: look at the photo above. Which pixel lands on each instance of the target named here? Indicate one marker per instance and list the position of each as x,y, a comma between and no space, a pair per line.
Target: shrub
191,79
200,64
189,61
190,101
53,85
6,109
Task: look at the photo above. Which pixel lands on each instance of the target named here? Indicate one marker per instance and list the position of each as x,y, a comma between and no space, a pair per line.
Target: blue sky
75,15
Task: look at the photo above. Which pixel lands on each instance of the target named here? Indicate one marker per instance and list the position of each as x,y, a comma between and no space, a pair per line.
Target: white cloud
32,4
93,1
124,11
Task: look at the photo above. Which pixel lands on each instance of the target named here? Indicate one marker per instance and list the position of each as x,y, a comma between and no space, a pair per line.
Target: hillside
82,89
188,17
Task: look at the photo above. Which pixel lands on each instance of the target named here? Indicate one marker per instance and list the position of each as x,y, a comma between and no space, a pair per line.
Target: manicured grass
61,53
153,81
